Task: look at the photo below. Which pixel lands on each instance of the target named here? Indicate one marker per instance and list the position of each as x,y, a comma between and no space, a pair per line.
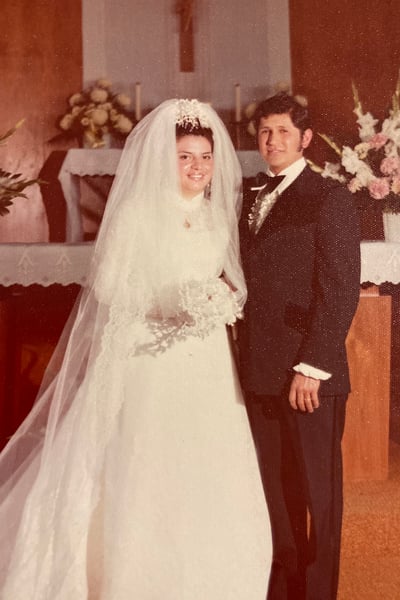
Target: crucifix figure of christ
185,10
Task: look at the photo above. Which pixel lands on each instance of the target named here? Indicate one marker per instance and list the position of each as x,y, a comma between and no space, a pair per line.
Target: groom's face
280,142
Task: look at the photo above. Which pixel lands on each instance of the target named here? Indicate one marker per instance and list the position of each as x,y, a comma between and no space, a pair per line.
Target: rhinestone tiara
191,112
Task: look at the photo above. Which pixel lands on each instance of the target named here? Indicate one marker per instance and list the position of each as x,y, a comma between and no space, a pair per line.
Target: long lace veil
130,273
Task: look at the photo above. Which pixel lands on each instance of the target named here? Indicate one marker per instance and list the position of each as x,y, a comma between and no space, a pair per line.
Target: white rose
76,99
123,124
98,95
99,116
103,83
66,122
123,100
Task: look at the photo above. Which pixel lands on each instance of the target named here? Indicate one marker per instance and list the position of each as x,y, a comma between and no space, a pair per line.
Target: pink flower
378,140
390,165
379,188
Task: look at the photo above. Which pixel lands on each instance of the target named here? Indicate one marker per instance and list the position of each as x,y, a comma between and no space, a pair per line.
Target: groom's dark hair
283,103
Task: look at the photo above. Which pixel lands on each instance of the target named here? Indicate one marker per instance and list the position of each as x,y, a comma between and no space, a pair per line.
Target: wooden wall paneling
366,435
333,43
41,66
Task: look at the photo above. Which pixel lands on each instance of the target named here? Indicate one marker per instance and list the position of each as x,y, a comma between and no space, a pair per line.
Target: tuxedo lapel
294,207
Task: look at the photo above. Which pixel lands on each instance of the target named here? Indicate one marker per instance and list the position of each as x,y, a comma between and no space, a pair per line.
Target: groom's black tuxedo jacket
303,276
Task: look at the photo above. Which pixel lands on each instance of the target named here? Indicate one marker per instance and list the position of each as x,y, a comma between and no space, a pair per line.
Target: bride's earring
207,191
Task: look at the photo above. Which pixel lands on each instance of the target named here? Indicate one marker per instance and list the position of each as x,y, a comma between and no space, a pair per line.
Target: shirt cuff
313,372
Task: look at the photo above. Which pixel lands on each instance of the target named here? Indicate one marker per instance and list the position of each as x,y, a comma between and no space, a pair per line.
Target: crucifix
185,10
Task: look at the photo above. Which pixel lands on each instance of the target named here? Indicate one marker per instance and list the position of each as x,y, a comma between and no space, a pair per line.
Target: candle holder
238,128
138,101
238,131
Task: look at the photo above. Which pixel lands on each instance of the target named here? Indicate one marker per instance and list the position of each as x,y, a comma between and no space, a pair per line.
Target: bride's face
195,164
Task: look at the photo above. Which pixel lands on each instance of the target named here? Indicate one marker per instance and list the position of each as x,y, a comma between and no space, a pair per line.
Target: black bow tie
270,183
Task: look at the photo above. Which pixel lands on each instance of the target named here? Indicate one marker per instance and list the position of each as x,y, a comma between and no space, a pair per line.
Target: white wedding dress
180,511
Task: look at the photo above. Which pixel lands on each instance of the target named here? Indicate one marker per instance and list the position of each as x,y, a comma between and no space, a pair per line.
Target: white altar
45,264
66,263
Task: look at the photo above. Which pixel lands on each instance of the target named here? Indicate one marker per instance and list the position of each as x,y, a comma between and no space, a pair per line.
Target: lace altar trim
91,162
380,262
45,264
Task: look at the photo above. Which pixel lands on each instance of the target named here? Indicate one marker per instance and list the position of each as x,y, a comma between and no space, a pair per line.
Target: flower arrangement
96,111
11,184
207,304
374,163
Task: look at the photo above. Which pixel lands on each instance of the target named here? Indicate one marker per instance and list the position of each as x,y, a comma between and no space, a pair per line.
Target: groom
300,244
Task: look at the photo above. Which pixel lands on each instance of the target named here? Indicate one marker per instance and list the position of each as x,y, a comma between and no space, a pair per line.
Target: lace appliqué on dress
200,307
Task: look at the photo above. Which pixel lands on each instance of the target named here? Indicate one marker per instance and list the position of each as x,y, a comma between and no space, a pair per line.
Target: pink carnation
379,188
390,165
378,140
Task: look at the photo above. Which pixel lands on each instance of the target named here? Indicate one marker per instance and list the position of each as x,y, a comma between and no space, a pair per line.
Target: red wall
40,65
333,43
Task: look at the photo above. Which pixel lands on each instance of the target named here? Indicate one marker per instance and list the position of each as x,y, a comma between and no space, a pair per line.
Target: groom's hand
303,394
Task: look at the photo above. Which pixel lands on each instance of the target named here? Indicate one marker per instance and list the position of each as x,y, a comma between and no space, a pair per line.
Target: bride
135,475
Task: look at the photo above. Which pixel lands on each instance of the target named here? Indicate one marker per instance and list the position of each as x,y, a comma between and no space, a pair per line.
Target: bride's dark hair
194,129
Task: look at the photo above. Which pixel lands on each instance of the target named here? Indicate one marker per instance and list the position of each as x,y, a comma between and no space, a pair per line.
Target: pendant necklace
190,209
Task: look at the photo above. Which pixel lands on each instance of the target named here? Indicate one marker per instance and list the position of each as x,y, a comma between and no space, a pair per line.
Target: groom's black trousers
301,466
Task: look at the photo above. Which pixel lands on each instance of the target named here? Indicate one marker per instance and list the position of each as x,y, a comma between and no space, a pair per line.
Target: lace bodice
198,250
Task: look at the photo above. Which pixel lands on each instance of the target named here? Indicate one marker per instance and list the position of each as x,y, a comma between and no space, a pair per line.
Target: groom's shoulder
314,184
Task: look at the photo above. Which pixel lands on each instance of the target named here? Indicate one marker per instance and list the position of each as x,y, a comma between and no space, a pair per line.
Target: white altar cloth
45,264
380,262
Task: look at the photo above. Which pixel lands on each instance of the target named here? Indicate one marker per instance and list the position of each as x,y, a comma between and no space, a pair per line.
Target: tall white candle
138,107
238,109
